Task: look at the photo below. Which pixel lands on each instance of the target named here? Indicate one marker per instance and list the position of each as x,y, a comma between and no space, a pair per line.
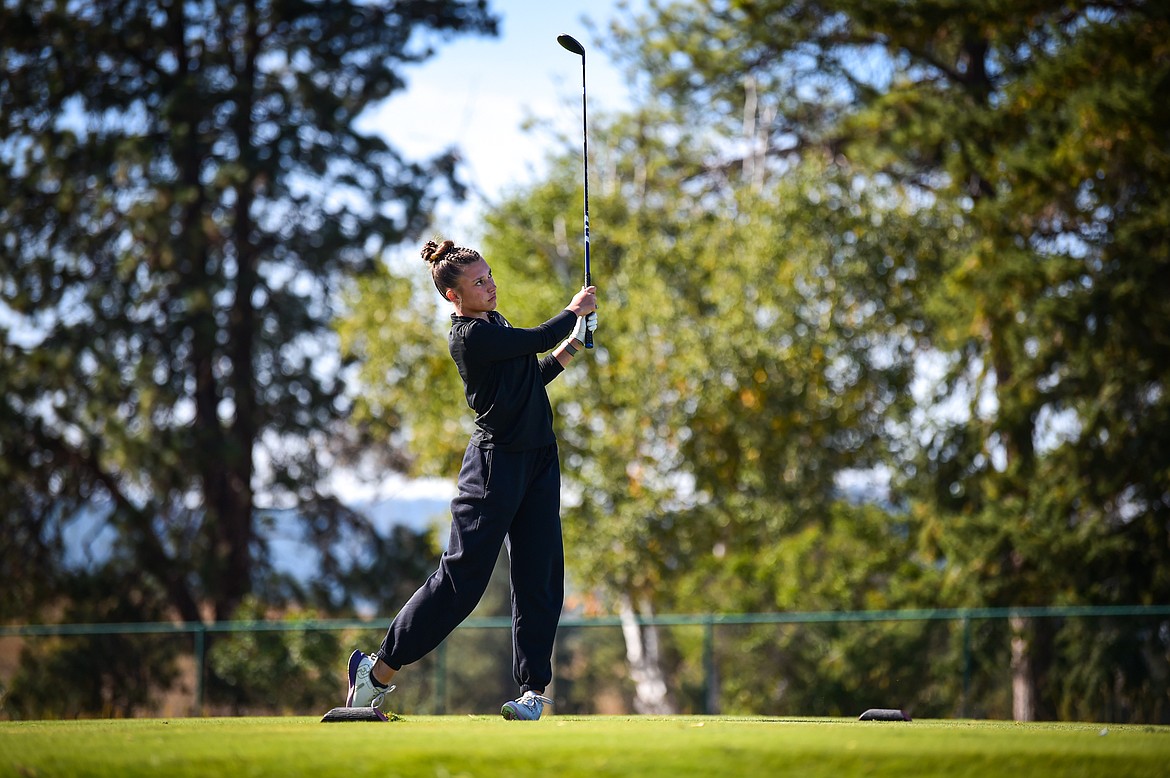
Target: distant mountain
415,512
293,554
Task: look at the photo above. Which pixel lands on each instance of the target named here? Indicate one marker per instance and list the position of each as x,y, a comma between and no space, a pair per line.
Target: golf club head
570,43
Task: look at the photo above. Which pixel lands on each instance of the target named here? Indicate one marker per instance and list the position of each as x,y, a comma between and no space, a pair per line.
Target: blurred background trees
183,195
914,246
1033,469
882,326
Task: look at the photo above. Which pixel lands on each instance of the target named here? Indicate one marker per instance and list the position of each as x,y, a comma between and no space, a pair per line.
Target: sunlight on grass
579,746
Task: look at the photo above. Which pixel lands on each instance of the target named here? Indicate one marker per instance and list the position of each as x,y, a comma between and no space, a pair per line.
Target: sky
489,86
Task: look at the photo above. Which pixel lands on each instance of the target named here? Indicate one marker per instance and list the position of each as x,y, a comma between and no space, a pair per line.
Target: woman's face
475,294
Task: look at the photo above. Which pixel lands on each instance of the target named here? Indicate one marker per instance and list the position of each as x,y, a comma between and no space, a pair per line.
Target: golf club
571,44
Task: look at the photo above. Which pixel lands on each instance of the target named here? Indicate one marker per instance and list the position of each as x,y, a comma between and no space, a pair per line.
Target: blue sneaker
362,691
526,707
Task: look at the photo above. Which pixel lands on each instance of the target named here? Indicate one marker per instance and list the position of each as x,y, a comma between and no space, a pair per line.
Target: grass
567,746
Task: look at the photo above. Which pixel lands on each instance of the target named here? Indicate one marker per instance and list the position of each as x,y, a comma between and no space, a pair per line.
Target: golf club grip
588,283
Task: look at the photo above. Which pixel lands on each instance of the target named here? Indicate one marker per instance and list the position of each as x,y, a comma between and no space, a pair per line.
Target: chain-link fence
1088,663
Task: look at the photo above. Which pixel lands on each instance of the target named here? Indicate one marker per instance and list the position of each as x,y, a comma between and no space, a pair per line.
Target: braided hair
447,262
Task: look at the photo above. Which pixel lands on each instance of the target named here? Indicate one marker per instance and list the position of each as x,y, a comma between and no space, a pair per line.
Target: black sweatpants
505,497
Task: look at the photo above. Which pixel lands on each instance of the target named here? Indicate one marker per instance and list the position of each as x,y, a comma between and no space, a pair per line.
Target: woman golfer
509,487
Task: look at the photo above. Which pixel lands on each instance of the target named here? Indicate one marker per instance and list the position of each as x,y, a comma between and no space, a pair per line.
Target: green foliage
392,568
917,239
477,664
183,192
590,675
303,664
396,331
1031,140
102,675
750,355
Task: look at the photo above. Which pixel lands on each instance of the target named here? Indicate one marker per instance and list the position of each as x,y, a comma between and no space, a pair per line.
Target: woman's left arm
555,363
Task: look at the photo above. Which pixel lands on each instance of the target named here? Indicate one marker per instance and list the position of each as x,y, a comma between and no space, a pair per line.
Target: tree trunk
1023,678
645,662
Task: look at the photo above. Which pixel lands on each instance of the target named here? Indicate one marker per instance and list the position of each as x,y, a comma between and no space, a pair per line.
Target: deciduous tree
1040,128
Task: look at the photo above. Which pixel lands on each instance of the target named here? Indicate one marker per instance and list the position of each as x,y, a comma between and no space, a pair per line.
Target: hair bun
433,252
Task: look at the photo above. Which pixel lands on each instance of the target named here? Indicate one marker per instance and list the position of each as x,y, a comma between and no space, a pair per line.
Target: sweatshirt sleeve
550,368
492,344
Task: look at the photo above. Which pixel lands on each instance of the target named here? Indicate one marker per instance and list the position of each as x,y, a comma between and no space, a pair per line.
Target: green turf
630,747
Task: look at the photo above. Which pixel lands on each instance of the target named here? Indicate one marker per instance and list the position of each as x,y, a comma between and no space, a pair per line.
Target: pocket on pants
475,475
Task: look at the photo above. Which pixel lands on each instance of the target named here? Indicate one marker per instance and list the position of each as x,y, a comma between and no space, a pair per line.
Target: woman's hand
584,302
584,324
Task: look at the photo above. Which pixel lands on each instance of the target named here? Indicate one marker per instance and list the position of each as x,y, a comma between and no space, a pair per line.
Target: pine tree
184,193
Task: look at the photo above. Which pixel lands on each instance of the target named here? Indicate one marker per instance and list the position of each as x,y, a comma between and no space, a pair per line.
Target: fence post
966,664
710,691
200,666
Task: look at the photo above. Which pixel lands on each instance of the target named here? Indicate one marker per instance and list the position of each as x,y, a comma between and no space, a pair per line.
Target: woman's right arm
491,343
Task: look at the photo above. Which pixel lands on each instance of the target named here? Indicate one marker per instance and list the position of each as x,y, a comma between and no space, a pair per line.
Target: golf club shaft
585,159
569,43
